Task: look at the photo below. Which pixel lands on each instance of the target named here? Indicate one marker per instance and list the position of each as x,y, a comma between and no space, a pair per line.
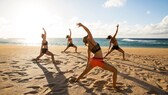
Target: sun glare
32,42
30,18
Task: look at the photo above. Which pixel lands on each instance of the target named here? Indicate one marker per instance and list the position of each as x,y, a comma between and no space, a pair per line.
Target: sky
136,18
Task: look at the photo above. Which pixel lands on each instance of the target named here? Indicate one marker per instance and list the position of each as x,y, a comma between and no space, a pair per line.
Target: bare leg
52,56
108,53
41,54
112,69
75,48
88,68
66,48
120,50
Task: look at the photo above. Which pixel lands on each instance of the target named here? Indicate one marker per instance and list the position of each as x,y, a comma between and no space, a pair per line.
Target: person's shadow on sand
56,81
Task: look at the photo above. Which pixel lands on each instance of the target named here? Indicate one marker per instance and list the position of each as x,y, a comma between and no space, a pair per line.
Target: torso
70,40
114,41
97,54
44,44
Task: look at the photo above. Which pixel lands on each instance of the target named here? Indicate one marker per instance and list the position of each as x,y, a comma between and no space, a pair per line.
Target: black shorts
44,50
71,45
115,47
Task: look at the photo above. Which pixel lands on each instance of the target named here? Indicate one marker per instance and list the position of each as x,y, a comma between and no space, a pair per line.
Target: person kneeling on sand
97,59
69,42
44,47
113,41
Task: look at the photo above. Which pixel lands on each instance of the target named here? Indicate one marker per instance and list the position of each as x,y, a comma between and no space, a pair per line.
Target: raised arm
116,31
44,31
86,29
70,32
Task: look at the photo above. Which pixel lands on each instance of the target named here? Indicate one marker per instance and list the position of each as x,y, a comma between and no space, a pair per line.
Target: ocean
123,42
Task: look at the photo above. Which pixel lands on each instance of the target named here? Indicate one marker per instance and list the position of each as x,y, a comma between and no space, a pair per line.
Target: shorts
44,50
116,47
71,45
97,62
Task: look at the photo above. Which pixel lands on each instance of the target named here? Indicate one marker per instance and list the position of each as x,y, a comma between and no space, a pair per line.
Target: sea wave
138,40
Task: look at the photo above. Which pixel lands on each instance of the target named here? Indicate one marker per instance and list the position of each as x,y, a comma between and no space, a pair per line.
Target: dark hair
109,37
67,36
85,40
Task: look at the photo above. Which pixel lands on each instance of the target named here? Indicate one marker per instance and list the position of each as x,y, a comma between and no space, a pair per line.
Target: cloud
151,30
157,30
57,27
114,3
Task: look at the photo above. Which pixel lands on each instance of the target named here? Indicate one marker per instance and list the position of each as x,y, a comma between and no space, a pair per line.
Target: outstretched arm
116,31
86,29
70,32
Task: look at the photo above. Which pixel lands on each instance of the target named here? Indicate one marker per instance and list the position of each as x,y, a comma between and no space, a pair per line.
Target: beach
144,72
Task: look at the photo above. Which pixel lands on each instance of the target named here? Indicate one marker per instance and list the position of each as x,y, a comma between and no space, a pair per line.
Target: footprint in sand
35,68
18,67
40,77
88,81
151,92
3,62
22,73
57,62
15,79
4,78
104,75
75,67
7,86
13,63
100,83
49,85
23,80
161,80
31,92
9,73
1,71
50,68
34,87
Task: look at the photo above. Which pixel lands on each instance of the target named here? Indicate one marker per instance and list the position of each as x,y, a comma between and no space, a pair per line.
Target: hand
69,29
117,25
43,29
79,24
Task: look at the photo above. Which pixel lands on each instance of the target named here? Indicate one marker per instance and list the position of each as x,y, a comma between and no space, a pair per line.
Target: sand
145,72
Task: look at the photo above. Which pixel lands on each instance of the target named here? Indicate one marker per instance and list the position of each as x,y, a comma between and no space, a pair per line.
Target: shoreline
139,50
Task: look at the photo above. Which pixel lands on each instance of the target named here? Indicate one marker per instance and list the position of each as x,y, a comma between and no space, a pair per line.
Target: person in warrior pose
97,59
44,47
113,41
69,42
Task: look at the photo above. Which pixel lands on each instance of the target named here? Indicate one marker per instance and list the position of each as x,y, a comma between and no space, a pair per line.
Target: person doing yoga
113,41
69,42
97,59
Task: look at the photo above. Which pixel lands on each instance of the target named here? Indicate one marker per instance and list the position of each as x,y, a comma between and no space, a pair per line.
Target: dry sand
144,73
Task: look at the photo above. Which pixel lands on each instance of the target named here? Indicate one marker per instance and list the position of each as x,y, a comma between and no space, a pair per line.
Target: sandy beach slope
145,72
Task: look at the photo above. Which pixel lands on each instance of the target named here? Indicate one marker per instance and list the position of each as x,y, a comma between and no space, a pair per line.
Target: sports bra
45,43
70,39
113,40
95,48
